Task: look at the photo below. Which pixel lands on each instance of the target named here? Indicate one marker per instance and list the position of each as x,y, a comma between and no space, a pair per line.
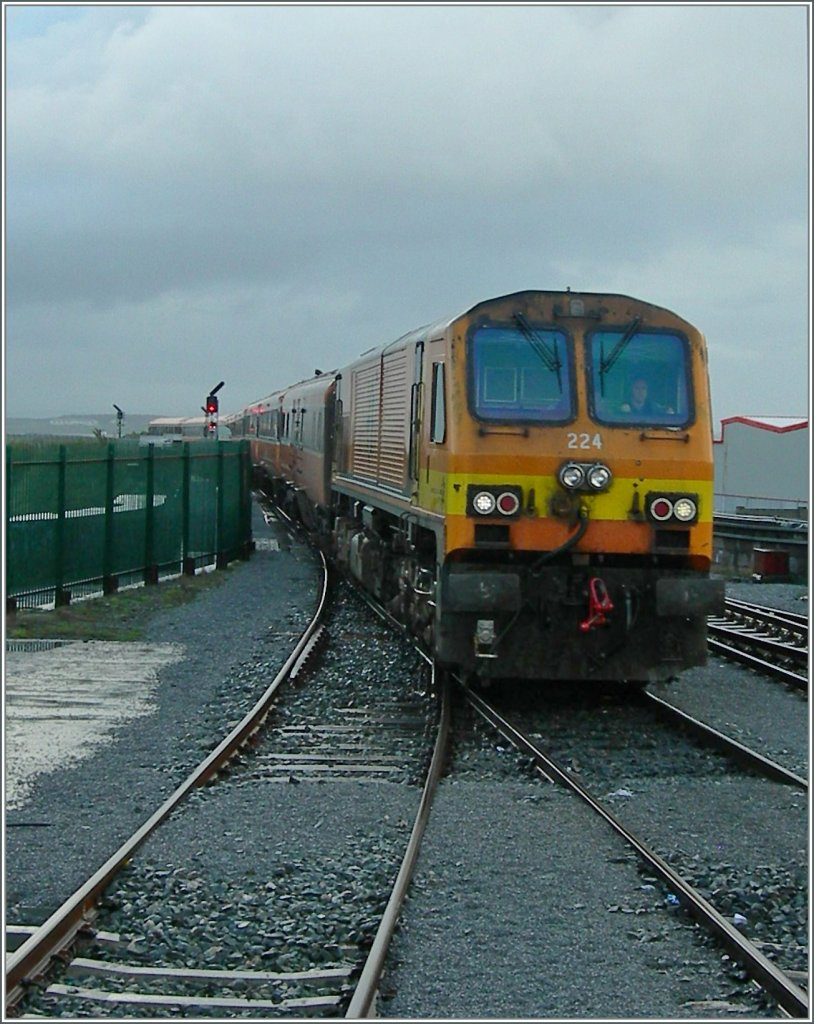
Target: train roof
325,379
560,292
439,326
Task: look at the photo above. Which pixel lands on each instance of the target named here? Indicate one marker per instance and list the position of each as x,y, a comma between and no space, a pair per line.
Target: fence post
222,556
11,602
62,596
110,582
186,495
150,568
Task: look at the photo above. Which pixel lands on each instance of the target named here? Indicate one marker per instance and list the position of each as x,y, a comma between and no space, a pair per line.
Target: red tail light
508,503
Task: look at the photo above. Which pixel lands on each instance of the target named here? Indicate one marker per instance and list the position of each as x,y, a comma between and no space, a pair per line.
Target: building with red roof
762,466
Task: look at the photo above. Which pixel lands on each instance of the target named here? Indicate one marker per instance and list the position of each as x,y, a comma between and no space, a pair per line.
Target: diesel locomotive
526,485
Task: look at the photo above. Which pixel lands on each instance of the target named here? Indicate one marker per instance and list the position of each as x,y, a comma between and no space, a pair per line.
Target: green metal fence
81,519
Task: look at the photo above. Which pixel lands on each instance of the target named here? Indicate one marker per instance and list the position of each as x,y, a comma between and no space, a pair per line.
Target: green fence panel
83,530
85,512
203,500
168,487
231,512
30,548
31,524
129,521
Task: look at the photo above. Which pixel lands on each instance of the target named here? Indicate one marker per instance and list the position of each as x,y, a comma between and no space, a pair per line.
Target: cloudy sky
247,192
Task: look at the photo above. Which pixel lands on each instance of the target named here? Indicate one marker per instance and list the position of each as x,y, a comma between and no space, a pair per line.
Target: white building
762,466
180,426
166,430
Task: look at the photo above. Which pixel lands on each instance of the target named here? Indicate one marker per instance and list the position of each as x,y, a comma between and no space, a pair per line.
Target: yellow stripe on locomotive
543,520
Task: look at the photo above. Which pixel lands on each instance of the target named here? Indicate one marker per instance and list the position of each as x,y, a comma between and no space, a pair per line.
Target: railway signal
211,409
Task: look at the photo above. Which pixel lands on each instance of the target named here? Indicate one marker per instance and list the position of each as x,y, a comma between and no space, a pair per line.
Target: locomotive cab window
520,373
640,377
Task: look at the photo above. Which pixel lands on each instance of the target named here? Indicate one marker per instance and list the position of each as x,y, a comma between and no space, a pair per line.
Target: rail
764,639
365,993
59,930
790,997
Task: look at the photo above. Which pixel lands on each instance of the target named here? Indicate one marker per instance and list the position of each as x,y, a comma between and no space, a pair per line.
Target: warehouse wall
762,470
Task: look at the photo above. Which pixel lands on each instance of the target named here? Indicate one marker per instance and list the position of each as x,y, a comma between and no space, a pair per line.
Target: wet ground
63,701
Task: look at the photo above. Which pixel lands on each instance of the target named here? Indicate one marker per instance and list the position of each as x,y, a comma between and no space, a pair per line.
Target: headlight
572,476
599,477
685,510
484,503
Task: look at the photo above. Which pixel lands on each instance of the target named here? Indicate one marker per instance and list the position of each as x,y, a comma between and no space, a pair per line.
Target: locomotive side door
341,430
297,418
433,472
416,408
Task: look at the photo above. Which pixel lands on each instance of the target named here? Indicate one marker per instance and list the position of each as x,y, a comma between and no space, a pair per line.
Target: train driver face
638,393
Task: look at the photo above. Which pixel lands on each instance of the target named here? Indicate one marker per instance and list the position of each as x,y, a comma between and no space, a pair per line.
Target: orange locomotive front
529,486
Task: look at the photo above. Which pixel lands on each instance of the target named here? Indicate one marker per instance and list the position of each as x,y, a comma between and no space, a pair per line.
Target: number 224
584,440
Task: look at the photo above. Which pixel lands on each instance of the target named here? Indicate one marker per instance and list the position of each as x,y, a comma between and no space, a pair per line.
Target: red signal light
508,503
661,509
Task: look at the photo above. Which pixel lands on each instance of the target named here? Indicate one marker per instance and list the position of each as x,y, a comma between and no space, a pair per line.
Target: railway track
105,975
335,750
753,760
781,985
787,987
765,639
45,943
76,959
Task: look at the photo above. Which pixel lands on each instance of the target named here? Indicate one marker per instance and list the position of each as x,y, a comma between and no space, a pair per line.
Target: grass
122,616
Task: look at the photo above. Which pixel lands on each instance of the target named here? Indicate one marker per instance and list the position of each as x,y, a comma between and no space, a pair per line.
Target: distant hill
80,425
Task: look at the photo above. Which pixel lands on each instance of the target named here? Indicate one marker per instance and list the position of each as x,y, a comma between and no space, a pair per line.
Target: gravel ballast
267,872
527,906
522,905
558,950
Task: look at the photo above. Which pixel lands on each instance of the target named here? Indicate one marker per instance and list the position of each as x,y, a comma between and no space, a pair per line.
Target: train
527,486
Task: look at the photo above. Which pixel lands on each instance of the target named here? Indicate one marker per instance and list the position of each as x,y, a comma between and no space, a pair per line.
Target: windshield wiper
605,365
549,356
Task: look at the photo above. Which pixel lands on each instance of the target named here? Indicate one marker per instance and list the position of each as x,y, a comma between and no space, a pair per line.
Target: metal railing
760,505
738,540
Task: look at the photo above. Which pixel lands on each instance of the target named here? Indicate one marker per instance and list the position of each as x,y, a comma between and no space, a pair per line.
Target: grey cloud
180,174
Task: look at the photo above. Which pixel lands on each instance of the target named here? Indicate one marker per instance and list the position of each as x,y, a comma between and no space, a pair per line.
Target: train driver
639,401
640,404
